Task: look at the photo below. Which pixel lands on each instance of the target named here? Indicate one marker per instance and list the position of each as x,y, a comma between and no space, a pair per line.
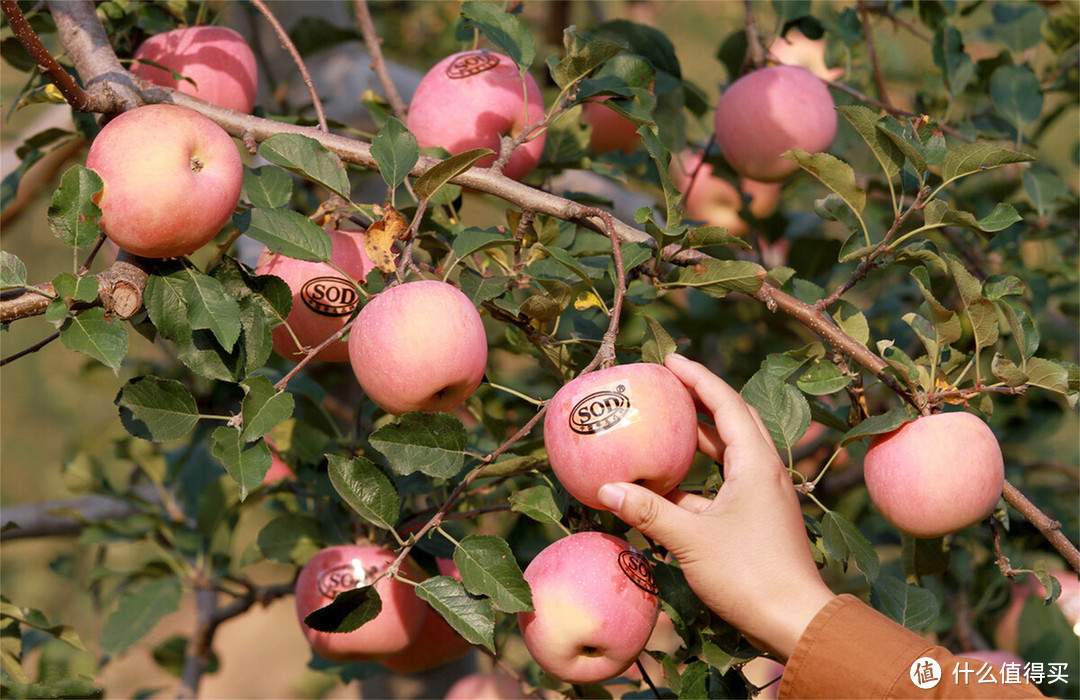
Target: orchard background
932,264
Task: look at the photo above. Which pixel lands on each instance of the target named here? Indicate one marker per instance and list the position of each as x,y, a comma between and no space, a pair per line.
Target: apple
796,49
336,569
935,475
323,300
437,643
634,423
485,686
218,61
595,604
611,131
172,179
716,201
768,112
279,470
418,346
471,99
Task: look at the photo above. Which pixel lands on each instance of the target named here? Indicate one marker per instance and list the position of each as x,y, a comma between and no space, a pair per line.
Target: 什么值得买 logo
599,411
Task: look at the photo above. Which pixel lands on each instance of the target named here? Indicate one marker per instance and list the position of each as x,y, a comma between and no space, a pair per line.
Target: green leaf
156,409
73,215
266,187
704,236
1018,25
583,61
480,289
903,138
939,213
924,557
446,170
886,151
877,425
68,286
834,173
956,67
289,539
843,541
210,308
661,158
471,616
1046,190
366,489
852,321
348,611
309,159
506,31
287,232
538,503
430,443
247,463
969,158
784,410
946,323
101,338
137,612
1049,375
263,407
1017,95
12,271
395,152
658,343
488,568
823,378
473,240
718,277
911,606
165,302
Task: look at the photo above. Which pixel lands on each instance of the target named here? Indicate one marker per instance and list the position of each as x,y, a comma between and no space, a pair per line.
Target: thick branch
1048,527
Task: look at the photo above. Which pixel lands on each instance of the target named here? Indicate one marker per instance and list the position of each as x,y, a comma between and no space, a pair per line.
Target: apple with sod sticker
216,64
418,346
595,604
635,423
343,567
935,475
172,179
768,112
323,300
471,99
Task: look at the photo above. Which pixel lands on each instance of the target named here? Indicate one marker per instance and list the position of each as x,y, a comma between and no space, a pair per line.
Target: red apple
218,61
634,423
595,604
437,643
472,98
611,131
418,346
279,470
336,569
708,197
935,475
172,180
769,111
485,686
323,300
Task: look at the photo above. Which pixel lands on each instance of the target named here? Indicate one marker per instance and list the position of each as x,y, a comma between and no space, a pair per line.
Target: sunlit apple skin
469,100
611,131
935,475
323,300
336,569
634,423
217,59
418,346
485,686
172,180
769,111
436,644
595,604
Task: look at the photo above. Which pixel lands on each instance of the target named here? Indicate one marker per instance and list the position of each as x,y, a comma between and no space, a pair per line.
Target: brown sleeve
850,650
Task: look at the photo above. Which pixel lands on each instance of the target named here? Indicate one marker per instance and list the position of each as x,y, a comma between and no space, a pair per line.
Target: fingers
653,515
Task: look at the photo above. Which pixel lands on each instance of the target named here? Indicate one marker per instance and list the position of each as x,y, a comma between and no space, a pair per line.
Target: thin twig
378,62
755,51
868,37
69,88
290,47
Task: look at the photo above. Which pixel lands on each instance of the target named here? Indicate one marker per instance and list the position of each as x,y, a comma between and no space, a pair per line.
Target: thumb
648,512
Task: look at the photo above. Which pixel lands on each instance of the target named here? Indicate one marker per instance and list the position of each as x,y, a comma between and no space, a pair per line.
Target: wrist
789,620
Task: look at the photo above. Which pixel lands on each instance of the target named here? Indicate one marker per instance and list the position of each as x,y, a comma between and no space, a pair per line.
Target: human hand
745,552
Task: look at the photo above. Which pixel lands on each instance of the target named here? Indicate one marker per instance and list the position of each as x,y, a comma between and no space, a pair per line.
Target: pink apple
935,475
796,49
611,131
707,197
485,686
769,111
216,59
323,300
437,643
595,604
336,569
279,470
418,346
634,423
172,180
472,98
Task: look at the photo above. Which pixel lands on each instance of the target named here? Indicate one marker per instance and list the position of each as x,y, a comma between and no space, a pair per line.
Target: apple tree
924,261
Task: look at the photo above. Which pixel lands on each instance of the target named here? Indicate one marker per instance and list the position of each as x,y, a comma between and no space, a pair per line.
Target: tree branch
1048,527
378,63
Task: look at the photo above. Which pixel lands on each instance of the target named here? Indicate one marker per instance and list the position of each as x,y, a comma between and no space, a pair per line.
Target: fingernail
611,496
675,357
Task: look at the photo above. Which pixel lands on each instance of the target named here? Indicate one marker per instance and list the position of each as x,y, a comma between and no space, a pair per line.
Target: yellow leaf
588,300
381,236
